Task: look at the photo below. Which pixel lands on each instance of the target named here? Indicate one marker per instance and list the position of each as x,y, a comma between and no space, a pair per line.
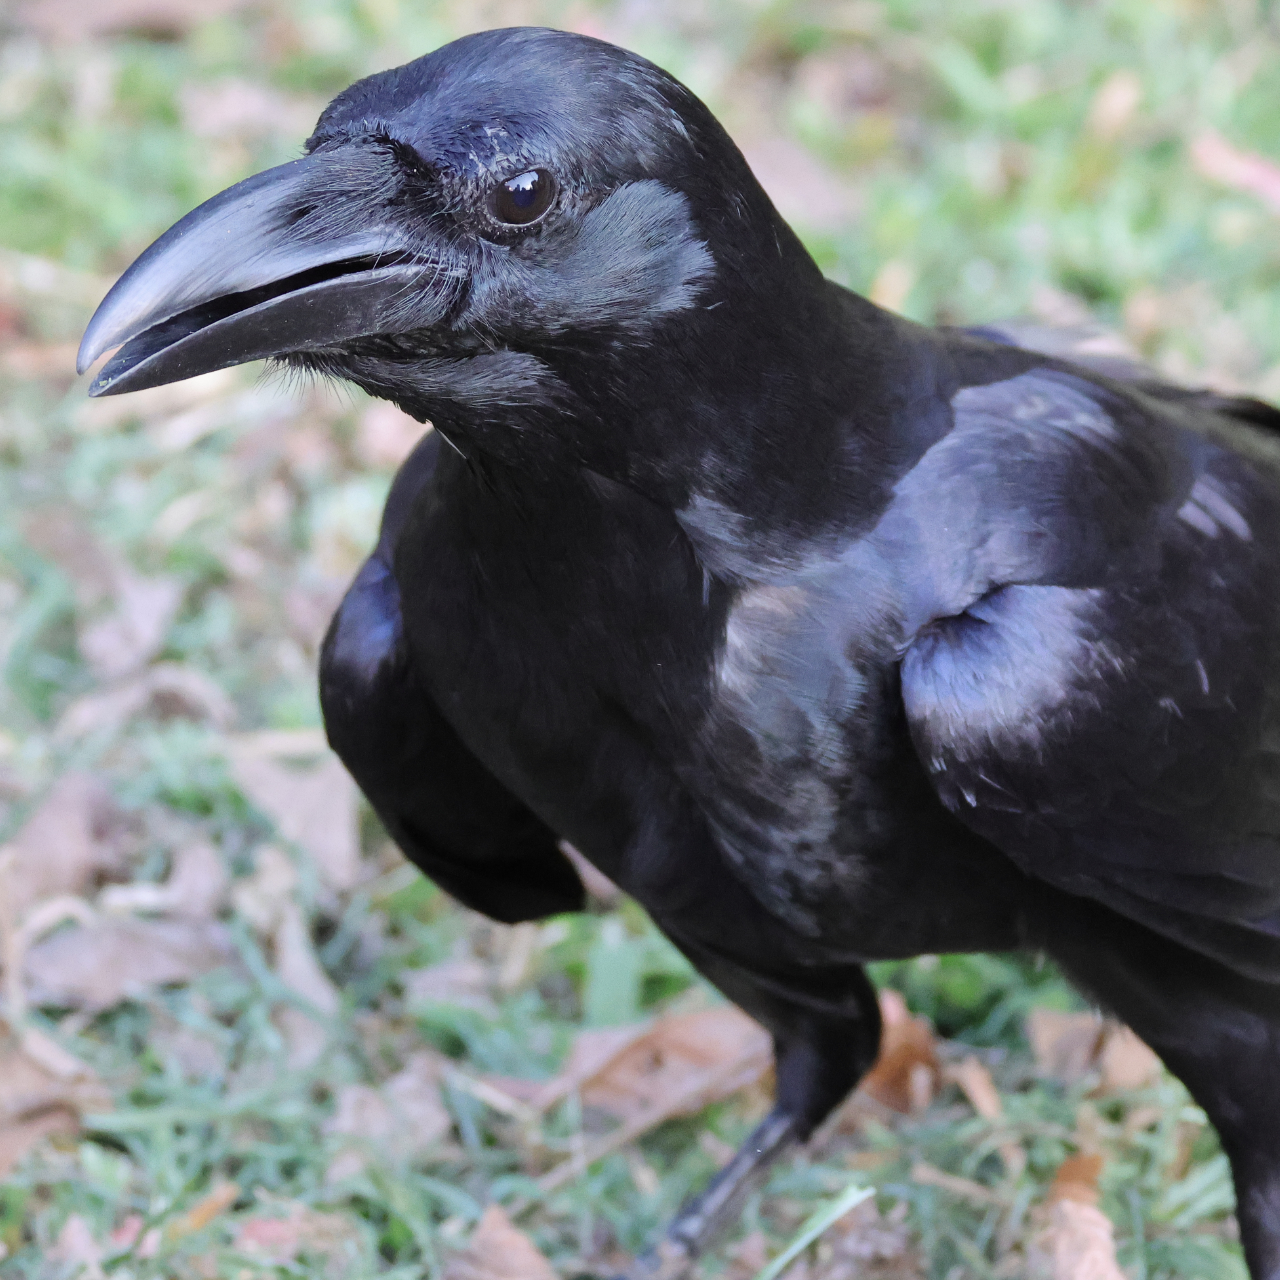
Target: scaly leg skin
826,1032
1220,1034
715,1209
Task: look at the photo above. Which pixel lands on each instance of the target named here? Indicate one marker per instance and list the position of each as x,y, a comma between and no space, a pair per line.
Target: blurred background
241,1037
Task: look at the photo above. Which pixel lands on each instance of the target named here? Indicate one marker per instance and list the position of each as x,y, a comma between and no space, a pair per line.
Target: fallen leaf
721,1049
643,1076
61,536
299,1230
167,691
97,966
1078,1242
203,1212
1081,1243
1077,1179
1068,1046
315,806
1125,1062
498,1250
36,1102
401,1119
297,966
197,886
132,634
1216,158
963,1188
73,839
260,898
1065,1045
975,1082
592,1051
905,1073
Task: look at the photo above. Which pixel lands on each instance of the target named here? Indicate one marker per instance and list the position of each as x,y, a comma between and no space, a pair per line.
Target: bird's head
524,225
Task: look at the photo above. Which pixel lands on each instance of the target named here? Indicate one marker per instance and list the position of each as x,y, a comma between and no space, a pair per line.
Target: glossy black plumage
827,636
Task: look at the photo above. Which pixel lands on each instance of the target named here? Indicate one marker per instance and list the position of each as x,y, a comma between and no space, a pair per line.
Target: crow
828,636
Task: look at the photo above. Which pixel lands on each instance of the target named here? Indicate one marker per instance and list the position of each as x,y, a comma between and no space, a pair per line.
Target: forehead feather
522,90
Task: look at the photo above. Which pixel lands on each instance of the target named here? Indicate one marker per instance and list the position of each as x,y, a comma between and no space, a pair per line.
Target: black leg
826,1033
1218,1032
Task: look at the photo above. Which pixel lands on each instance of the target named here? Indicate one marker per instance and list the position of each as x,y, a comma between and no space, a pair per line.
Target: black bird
828,636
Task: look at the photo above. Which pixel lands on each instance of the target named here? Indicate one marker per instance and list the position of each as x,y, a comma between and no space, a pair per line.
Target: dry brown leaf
59,535
97,966
297,966
315,807
73,839
261,897
591,1053
1065,1045
1125,1062
722,1049
35,1102
1077,1179
128,637
672,1067
1077,1243
905,1073
203,1212
72,21
166,691
499,1250
963,1188
1081,1243
299,1230
1068,1046
400,1119
197,886
1216,158
975,1082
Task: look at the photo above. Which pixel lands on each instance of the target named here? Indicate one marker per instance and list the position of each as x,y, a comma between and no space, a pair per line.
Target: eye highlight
524,198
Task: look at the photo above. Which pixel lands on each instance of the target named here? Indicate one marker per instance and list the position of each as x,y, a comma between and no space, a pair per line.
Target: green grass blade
815,1225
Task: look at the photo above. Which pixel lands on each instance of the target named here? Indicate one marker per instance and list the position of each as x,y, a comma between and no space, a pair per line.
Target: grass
988,166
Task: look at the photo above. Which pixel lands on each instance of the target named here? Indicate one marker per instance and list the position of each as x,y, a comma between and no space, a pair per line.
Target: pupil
524,190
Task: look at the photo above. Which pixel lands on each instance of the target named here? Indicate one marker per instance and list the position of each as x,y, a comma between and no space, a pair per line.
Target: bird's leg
715,1208
1220,1034
826,1032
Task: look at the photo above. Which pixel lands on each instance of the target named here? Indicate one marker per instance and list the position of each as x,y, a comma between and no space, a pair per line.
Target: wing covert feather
1116,731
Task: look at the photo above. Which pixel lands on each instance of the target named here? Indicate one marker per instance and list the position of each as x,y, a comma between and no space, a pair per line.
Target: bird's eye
524,198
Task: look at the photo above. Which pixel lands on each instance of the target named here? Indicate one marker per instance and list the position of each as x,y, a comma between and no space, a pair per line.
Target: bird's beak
268,267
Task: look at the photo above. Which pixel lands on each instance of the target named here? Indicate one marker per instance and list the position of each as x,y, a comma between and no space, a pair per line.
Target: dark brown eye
524,198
